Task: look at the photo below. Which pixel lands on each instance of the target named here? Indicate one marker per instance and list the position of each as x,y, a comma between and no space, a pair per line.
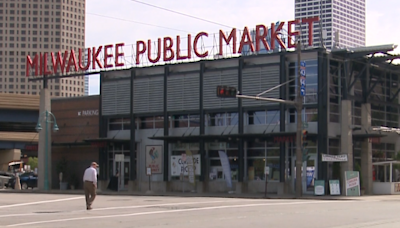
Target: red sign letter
260,37
118,54
310,28
140,51
158,51
95,58
227,40
274,35
72,61
106,56
290,33
168,47
249,41
30,63
59,61
196,39
80,60
178,49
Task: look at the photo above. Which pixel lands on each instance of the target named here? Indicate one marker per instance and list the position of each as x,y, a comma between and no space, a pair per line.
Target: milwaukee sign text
165,49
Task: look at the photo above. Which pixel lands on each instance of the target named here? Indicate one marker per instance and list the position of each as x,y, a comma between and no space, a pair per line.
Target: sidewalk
190,194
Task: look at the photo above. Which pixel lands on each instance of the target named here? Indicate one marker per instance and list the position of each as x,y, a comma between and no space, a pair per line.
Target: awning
246,136
106,140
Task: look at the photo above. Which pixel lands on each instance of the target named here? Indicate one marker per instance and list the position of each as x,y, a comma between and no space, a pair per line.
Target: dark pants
90,193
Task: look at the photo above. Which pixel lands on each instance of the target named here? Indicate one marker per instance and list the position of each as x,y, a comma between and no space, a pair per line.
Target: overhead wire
137,22
183,14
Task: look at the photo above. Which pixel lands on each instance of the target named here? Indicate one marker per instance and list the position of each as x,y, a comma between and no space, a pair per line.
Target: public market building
153,115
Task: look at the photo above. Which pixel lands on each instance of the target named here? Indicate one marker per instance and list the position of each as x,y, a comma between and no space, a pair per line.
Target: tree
33,162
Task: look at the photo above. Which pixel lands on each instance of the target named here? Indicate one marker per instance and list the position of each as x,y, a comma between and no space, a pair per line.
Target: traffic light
226,91
304,138
304,144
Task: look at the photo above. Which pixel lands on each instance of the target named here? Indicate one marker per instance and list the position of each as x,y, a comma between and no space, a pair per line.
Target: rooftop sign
166,50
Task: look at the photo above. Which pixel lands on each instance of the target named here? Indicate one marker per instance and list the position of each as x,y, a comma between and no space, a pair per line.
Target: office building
343,22
28,27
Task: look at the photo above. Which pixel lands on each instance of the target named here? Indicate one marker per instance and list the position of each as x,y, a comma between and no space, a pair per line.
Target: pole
299,107
46,171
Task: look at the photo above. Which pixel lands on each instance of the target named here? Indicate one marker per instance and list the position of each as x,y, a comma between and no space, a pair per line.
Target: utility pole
299,107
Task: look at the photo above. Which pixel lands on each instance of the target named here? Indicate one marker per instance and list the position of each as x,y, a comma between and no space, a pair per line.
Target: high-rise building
29,27
342,22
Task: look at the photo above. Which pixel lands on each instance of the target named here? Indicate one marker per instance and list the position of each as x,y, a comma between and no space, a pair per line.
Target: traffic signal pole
231,92
299,108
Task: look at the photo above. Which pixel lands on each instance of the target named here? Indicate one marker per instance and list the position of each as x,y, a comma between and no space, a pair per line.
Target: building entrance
122,169
309,174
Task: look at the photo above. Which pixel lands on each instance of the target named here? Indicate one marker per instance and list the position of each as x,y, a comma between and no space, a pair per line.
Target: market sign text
166,49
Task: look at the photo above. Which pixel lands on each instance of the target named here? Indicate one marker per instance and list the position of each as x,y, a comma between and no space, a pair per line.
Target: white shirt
90,175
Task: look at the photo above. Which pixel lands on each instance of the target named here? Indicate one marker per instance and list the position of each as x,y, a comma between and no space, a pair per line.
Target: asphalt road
54,210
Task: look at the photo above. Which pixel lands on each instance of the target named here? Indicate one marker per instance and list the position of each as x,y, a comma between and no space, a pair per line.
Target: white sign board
334,187
148,171
266,170
179,166
334,158
119,158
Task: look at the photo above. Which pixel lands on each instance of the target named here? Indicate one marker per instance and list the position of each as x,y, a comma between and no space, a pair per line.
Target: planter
63,185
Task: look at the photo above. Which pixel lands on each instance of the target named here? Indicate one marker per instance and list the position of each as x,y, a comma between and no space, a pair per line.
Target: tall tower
342,22
29,27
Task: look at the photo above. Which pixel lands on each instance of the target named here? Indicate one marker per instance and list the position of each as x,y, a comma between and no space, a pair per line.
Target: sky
127,21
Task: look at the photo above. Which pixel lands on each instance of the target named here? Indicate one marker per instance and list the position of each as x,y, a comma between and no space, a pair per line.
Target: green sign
319,187
352,183
334,186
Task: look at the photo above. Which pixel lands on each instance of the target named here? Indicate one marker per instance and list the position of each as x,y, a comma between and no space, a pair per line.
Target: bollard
17,185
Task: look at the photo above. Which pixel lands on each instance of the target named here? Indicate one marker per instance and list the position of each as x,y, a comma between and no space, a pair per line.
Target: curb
183,195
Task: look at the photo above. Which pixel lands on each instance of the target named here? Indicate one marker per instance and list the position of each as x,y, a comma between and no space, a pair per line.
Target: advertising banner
178,165
154,159
226,168
334,158
352,183
190,165
310,178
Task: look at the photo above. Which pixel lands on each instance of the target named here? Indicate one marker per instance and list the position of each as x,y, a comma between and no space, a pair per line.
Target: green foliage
33,162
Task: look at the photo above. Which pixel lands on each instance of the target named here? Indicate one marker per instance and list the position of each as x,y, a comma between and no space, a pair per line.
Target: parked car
27,180
5,177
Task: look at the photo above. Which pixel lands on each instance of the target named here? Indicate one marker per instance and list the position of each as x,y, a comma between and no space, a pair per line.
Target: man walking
90,184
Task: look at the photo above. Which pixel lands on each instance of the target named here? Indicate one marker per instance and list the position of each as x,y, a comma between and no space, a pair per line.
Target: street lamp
46,116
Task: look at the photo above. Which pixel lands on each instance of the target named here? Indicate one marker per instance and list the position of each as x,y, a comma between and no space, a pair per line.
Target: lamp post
46,116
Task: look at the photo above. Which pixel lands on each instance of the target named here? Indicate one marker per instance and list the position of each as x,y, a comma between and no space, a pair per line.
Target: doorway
308,175
123,169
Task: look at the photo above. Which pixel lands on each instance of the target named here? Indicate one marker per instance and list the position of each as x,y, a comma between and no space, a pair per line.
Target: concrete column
366,150
346,141
45,104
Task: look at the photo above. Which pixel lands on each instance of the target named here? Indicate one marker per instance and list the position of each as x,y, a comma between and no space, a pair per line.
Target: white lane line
41,202
168,211
130,207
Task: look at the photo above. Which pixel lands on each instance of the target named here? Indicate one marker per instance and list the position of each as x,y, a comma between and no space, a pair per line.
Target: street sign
119,158
303,78
148,171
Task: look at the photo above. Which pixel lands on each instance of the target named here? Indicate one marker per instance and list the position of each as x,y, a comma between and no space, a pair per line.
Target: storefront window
180,169
260,155
116,124
216,171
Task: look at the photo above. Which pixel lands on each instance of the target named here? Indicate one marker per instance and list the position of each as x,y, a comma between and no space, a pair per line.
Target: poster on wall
178,165
154,159
352,183
226,168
